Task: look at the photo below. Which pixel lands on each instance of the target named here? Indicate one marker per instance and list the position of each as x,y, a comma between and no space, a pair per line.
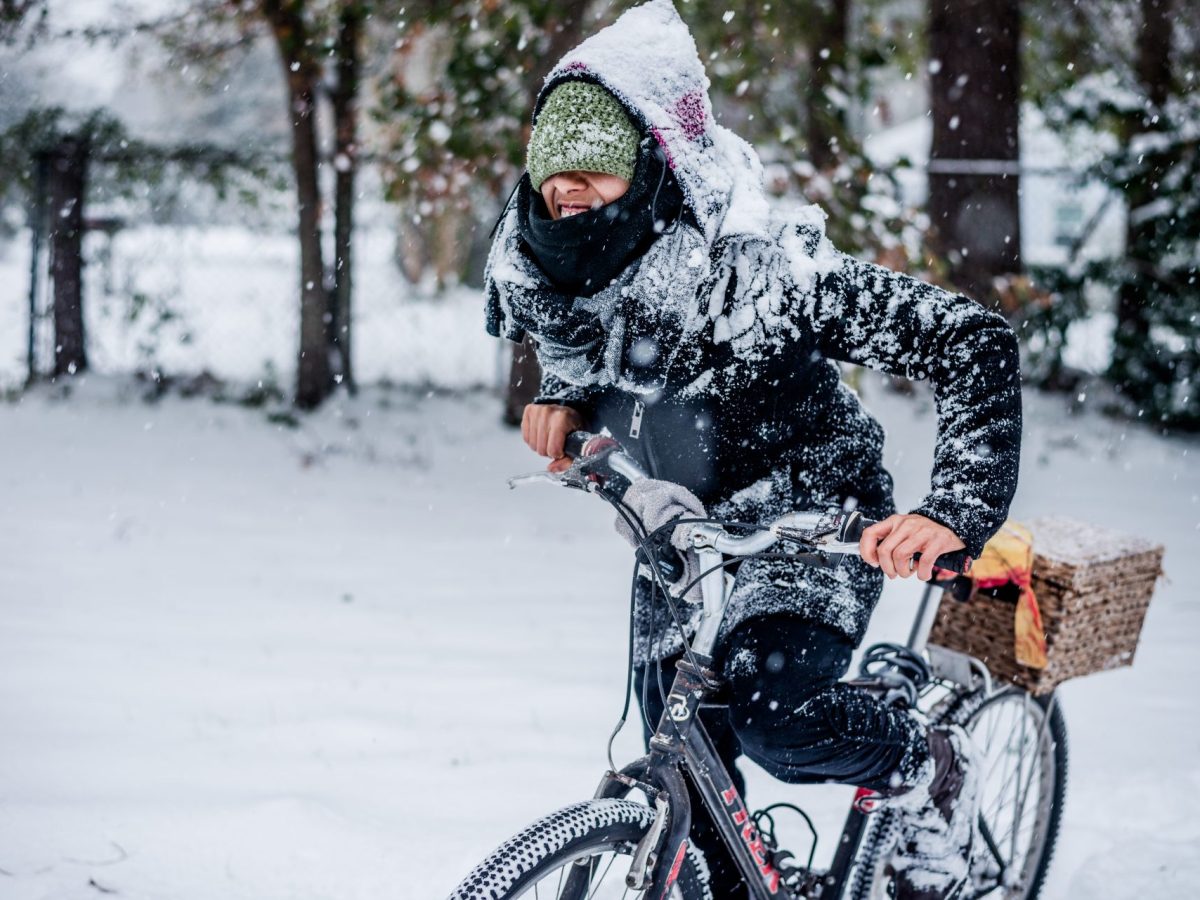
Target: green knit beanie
581,127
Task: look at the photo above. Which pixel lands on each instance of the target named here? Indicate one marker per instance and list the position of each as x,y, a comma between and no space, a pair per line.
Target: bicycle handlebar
836,536
584,445
856,523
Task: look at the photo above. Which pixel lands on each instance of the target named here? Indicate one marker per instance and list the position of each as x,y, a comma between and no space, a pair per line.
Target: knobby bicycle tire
593,828
880,841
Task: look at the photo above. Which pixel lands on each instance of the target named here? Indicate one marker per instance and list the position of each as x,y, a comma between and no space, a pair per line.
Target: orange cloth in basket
1008,558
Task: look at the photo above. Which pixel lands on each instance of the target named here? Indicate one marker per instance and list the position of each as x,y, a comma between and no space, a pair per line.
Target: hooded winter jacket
711,354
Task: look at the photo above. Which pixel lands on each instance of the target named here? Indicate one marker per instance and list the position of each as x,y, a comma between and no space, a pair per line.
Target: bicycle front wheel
581,852
1023,778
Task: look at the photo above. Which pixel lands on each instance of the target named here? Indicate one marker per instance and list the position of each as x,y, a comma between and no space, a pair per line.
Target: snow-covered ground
243,660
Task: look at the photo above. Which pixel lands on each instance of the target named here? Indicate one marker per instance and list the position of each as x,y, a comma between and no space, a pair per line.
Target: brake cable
638,529
658,583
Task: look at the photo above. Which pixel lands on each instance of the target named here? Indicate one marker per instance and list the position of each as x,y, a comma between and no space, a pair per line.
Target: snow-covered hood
648,60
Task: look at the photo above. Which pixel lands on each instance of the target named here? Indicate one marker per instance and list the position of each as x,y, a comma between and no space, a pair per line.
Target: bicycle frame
682,749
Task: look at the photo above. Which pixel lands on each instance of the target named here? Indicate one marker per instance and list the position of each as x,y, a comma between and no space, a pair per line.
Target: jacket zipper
635,432
635,424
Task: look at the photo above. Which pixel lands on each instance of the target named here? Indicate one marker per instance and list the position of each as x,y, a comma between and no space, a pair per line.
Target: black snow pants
789,712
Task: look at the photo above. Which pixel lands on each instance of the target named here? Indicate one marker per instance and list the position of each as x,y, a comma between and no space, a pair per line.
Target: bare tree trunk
1154,75
974,51
565,32
302,73
37,229
524,379
825,121
525,374
313,378
68,181
345,114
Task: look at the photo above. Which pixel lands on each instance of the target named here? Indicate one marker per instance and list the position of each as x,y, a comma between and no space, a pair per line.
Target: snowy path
344,661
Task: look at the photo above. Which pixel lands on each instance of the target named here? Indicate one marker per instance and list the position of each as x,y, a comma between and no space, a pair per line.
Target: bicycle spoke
986,834
602,877
992,729
1038,750
1017,770
1020,826
1019,840
1023,833
1017,818
1001,757
1043,734
1004,800
1020,799
1003,793
999,785
1013,777
1007,760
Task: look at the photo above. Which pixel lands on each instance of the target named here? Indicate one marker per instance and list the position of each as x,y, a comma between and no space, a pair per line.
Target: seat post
923,623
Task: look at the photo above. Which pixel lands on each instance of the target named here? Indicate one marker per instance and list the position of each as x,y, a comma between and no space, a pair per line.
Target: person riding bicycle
674,306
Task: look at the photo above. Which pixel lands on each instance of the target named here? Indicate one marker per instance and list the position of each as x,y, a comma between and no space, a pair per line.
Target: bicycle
570,854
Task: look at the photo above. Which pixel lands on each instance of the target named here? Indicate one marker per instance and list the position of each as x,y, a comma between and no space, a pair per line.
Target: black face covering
583,253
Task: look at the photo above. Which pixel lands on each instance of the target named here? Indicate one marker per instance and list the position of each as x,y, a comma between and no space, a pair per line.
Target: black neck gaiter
583,253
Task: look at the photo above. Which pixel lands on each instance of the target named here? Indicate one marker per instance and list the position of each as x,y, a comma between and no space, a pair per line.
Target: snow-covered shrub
1155,165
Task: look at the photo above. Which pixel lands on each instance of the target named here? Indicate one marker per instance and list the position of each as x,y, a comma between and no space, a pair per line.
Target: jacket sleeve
554,390
872,316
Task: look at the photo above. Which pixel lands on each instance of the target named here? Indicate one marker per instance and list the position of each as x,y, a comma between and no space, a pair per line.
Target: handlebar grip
955,561
856,523
583,444
575,442
853,527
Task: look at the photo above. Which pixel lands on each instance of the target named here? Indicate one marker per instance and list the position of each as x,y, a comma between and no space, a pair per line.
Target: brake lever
817,551
811,530
830,544
517,481
576,476
818,535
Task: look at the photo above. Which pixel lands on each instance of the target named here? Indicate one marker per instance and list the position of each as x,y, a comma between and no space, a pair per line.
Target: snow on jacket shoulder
854,311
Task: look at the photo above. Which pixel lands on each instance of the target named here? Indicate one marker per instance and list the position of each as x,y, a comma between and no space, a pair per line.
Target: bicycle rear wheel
1023,779
581,852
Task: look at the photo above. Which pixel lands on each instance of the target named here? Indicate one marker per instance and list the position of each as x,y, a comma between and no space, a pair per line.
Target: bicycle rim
1020,789
591,874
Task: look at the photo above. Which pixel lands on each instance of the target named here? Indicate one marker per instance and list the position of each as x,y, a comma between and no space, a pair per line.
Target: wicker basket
1093,587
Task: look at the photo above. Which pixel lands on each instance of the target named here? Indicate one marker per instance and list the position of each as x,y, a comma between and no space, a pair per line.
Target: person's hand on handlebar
890,544
545,427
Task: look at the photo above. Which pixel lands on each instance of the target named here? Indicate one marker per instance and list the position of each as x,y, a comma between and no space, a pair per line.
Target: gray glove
656,503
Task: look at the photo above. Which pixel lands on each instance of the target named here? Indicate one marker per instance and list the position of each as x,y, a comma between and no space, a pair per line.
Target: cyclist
672,305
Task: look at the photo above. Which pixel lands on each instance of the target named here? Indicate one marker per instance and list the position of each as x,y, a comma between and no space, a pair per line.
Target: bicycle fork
681,743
